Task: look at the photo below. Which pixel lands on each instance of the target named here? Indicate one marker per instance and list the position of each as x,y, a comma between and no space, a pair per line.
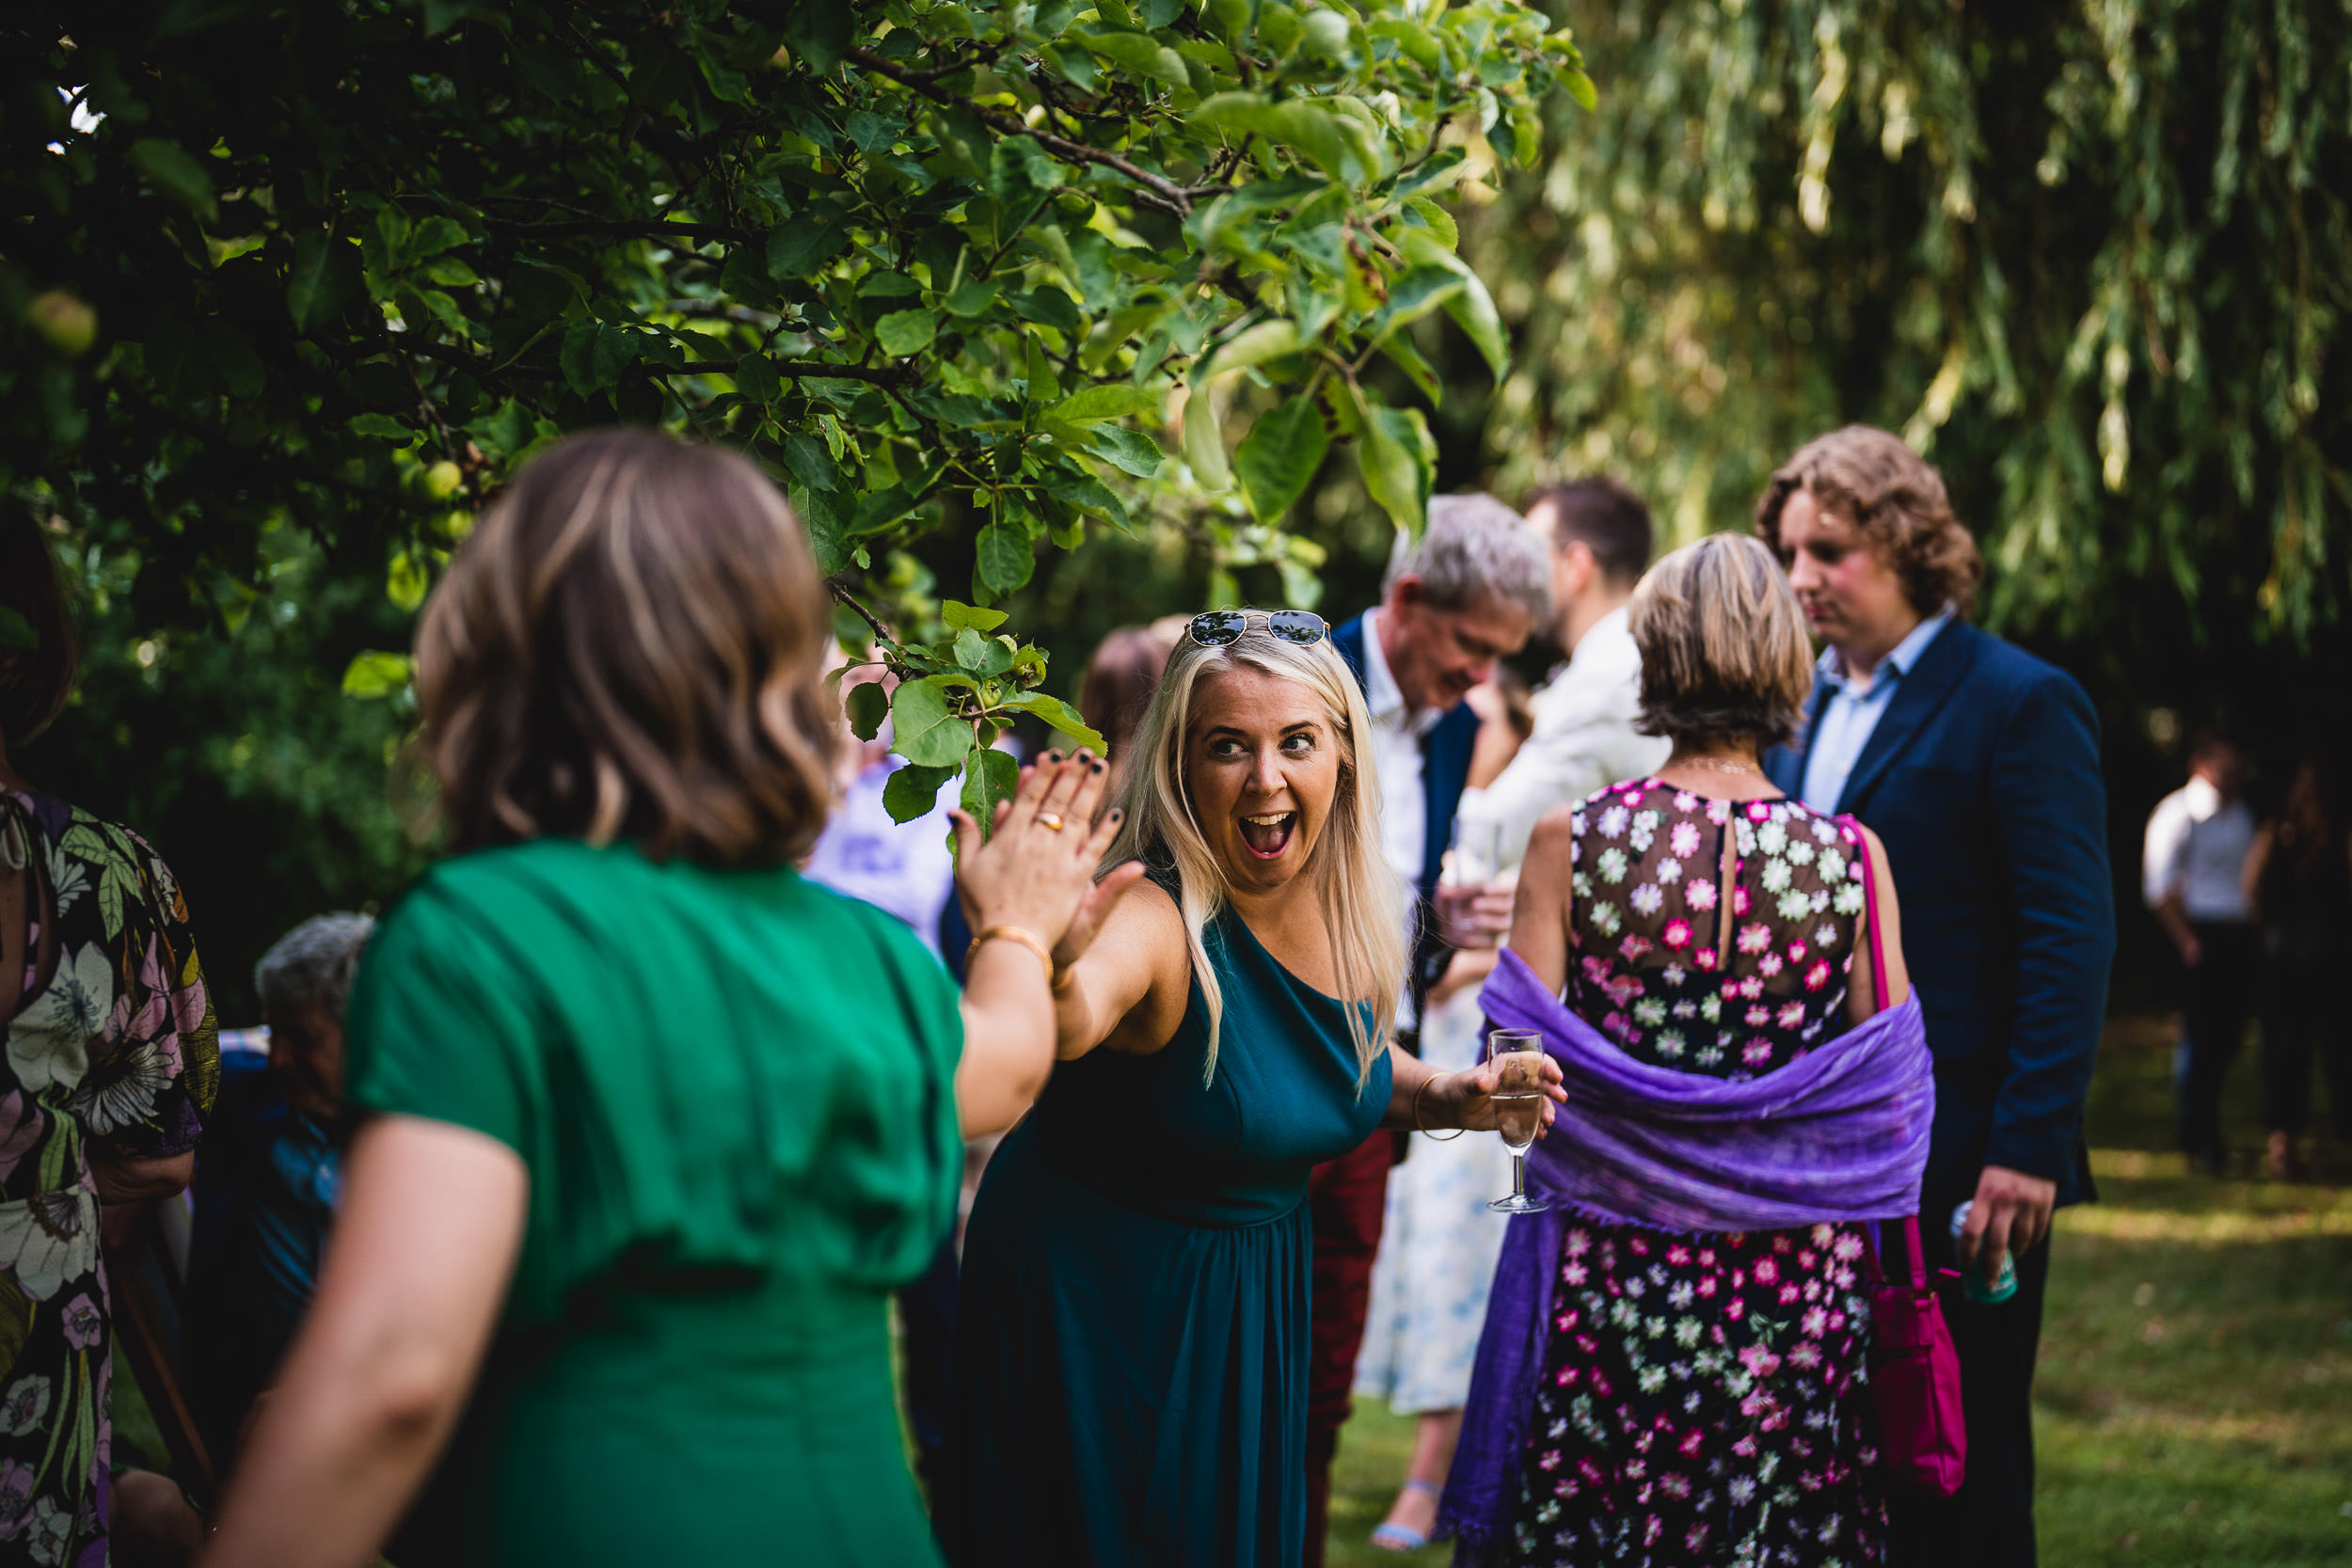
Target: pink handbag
1915,1378
1914,1369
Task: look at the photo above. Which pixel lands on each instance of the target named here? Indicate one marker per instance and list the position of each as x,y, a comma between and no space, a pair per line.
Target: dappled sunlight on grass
2195,1398
2214,1226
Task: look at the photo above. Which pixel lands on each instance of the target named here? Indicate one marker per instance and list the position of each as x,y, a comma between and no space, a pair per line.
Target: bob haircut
632,644
1895,500
1362,903
1724,654
34,681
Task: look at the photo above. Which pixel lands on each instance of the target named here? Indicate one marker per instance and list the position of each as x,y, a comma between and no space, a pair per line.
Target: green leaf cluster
953,701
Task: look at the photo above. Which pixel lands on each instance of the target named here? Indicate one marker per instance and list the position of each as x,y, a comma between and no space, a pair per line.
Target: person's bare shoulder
1555,833
1152,906
1145,942
1147,928
1878,853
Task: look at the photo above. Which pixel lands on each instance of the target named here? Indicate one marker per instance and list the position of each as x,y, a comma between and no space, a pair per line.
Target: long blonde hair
1362,903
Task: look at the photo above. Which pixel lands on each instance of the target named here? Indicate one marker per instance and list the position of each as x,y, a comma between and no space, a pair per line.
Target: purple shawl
1841,1134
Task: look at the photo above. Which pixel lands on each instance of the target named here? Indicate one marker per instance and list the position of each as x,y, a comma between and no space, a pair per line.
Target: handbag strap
1879,989
1912,1249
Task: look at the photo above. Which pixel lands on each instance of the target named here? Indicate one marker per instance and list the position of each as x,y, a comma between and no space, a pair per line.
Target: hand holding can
1971,1283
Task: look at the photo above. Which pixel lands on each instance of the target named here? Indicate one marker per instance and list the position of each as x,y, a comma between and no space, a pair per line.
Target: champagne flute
1473,865
1480,844
1518,1101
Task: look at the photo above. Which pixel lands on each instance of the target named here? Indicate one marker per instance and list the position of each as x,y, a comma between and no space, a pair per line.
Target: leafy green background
956,275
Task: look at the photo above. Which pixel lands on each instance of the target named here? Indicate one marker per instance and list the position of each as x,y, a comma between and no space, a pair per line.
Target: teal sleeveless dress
1131,1358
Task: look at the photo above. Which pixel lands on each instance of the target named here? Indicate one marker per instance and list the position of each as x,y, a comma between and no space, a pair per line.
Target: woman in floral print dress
1702,1398
111,1061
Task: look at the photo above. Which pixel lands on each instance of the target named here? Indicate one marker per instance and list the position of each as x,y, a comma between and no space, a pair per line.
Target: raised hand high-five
1031,884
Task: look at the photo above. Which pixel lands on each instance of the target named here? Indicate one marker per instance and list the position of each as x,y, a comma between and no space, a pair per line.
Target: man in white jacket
1584,736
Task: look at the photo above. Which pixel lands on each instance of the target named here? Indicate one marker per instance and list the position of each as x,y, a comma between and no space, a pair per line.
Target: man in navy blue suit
1465,594
1977,766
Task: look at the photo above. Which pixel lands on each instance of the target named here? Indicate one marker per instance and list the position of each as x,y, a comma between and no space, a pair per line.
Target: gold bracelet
1013,933
1418,1127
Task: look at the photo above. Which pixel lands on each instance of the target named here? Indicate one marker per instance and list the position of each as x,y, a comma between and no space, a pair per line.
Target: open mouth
1269,835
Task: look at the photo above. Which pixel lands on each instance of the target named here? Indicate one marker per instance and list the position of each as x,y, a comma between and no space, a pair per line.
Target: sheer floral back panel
1645,965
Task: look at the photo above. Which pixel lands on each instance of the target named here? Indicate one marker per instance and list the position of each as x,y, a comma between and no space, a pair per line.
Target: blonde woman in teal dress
1131,1363
655,1125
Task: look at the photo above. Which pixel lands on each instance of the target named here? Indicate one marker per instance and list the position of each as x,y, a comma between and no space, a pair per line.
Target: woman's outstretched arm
1126,989
1034,877
1423,1098
432,1220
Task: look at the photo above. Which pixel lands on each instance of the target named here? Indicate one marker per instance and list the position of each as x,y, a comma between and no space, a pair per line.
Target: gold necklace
1719,765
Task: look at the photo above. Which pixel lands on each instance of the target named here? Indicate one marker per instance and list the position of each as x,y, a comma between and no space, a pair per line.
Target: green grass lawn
2195,1398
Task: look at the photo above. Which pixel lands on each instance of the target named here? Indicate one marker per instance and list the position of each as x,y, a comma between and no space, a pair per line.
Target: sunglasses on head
1220,628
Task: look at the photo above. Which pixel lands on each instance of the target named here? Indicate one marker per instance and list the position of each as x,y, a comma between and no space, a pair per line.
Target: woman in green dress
657,1125
1132,1359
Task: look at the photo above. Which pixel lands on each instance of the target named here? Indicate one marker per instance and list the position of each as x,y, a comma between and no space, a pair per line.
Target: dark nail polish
1117,814
1100,765
1052,756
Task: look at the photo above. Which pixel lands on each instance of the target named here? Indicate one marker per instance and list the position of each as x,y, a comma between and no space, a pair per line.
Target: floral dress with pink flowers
111,1049
1703,1398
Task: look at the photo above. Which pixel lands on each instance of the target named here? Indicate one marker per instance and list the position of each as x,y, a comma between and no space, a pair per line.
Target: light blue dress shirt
1848,716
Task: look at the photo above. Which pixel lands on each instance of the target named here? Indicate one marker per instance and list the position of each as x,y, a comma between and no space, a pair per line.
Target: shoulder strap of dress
24,855
1869,911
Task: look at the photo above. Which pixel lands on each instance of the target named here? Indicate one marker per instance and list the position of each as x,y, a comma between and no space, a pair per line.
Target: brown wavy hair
632,645
1724,654
1895,499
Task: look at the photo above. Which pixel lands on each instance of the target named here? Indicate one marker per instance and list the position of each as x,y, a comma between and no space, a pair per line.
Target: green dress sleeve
439,1028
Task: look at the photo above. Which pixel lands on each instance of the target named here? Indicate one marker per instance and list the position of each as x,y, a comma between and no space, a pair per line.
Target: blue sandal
1403,1538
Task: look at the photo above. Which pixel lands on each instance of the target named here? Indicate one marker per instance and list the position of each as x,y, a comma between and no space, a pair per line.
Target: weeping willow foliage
2092,259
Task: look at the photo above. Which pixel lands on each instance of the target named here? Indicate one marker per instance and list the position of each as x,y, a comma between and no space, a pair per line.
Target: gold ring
1051,818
